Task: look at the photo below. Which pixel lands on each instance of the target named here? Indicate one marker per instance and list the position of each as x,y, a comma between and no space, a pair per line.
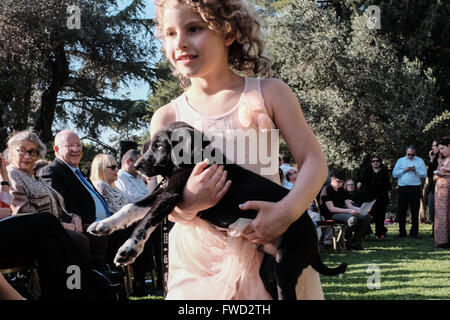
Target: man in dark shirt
335,205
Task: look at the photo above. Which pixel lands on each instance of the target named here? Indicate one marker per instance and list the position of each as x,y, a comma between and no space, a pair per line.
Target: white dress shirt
133,187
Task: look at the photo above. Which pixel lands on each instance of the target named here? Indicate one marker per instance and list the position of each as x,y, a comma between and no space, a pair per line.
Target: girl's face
444,150
190,45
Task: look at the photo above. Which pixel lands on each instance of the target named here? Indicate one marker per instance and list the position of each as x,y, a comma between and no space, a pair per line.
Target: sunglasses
410,154
375,160
113,167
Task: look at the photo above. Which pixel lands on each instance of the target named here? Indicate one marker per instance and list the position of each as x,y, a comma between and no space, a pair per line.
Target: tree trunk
59,67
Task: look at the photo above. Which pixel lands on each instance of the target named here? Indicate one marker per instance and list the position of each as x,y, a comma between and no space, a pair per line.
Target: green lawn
409,268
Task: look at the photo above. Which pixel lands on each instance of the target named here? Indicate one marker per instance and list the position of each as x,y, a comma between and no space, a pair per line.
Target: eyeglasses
113,167
73,146
339,181
350,185
32,153
375,160
410,154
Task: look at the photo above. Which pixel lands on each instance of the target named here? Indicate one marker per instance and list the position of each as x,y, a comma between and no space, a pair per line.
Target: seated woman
33,196
356,199
104,171
352,194
41,238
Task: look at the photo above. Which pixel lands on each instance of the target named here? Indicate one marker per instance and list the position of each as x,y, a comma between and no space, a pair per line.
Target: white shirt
134,188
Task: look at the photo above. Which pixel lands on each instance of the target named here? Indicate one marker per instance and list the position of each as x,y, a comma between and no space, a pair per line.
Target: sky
136,90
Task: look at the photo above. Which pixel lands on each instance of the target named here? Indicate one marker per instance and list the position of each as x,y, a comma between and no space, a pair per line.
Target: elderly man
409,170
63,174
80,196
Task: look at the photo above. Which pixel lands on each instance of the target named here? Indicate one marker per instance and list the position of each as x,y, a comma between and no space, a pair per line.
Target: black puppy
297,249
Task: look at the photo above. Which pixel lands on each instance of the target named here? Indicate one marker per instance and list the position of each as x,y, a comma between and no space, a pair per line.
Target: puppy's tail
323,269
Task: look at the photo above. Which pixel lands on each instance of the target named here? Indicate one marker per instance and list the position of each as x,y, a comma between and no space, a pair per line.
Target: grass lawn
409,268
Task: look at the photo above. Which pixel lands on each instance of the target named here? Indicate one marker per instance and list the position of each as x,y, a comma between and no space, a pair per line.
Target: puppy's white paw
100,228
128,252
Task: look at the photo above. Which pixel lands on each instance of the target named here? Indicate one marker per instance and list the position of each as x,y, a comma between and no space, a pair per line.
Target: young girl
206,42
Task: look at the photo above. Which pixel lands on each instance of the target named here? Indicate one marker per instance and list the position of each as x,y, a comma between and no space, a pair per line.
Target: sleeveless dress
204,262
442,209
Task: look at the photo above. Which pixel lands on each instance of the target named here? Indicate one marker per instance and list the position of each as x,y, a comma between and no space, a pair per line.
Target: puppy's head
171,148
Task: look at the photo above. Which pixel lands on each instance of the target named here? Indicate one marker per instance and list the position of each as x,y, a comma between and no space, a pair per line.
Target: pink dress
204,262
442,208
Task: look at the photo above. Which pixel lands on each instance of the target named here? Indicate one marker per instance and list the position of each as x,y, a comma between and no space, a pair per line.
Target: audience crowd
46,207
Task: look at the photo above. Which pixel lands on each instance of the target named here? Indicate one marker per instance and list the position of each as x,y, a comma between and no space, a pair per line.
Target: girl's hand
203,190
269,224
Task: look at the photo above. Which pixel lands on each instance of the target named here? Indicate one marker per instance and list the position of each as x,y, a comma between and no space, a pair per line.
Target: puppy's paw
128,252
100,228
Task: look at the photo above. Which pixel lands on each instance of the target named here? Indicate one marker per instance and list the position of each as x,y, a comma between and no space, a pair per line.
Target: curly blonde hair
228,16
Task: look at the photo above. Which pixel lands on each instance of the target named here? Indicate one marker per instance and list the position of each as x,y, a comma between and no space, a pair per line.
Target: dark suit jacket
77,198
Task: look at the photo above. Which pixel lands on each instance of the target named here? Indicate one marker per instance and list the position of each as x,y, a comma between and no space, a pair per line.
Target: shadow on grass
408,268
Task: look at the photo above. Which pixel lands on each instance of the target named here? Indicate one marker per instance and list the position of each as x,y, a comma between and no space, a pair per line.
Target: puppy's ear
182,141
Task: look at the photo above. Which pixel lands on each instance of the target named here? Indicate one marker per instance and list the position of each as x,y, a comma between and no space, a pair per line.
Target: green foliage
440,125
53,72
164,90
356,95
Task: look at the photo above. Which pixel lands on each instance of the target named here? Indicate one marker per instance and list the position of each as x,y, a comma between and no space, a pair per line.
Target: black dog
297,249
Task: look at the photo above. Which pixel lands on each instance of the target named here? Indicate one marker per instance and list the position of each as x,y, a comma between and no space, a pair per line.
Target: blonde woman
104,171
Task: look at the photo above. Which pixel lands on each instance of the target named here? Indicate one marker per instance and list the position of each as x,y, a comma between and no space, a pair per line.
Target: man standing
409,170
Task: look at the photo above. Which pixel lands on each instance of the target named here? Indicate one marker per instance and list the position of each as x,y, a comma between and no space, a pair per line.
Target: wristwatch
5,183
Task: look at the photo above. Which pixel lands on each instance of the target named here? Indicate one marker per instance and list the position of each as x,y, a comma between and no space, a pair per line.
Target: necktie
92,189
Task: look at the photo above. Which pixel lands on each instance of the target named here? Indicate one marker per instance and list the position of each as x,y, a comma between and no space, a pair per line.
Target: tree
356,95
164,90
49,70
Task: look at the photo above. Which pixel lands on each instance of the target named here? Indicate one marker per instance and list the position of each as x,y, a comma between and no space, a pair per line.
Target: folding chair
339,228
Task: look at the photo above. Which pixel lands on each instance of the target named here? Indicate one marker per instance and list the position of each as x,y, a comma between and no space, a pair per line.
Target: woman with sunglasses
104,170
376,184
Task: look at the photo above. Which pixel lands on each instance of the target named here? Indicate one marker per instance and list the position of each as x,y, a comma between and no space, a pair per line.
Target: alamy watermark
74,19
374,280
74,279
374,17
243,147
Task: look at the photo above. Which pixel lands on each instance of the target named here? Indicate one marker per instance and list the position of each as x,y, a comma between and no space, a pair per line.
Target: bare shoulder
162,117
277,94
